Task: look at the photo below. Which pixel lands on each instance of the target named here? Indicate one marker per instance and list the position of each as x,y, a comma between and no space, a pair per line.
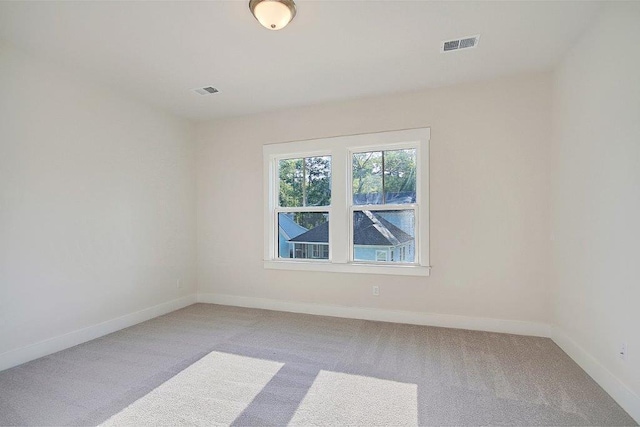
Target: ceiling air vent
464,43
206,90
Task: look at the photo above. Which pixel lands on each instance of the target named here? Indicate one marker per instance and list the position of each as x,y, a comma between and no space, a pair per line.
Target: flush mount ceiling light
273,14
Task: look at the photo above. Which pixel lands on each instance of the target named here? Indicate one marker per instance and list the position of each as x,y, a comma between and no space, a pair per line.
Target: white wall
97,204
489,201
596,200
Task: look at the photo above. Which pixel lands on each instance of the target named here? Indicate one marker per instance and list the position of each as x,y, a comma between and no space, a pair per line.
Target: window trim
341,209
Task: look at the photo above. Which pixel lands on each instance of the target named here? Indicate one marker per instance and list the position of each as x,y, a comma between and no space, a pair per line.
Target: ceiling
332,50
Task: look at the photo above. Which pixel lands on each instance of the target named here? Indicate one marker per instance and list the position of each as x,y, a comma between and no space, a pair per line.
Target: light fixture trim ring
290,4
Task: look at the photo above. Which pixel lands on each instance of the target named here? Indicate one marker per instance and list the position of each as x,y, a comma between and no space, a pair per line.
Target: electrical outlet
179,283
623,351
376,290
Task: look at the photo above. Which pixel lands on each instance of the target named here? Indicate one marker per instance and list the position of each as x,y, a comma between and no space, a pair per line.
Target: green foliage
318,189
367,172
305,182
291,180
310,220
399,171
398,176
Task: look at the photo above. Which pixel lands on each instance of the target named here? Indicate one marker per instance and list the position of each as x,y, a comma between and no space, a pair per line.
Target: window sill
396,270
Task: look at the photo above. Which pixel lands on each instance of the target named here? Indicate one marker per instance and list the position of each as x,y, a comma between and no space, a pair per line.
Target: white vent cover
206,90
463,43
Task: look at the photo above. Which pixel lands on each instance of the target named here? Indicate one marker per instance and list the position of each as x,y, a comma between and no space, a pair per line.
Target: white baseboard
43,348
618,390
393,316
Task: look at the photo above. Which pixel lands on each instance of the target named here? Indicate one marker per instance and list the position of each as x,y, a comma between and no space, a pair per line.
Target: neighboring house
375,239
287,229
313,244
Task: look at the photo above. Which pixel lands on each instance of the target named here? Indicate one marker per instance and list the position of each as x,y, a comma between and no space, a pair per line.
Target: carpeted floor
210,364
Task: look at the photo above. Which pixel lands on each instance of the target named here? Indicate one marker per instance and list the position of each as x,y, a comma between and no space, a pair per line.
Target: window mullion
339,225
383,195
304,181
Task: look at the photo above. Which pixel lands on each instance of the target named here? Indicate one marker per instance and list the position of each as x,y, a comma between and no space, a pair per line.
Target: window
353,204
383,203
304,194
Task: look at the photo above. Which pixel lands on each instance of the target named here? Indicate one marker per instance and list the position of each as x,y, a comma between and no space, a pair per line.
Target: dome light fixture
273,14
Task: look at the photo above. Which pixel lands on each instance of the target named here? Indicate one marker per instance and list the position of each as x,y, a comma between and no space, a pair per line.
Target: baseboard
395,316
618,390
43,348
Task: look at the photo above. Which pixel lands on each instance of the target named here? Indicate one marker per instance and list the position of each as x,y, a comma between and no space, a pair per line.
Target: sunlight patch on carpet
343,399
212,391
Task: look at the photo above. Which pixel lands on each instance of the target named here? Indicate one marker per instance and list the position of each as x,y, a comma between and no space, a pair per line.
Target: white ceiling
159,51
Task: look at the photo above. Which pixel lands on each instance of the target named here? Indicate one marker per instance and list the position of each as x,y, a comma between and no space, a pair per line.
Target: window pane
367,178
291,182
400,176
305,182
384,236
318,181
394,171
303,235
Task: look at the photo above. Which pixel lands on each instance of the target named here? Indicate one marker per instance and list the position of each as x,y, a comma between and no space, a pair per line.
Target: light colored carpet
216,365
212,391
216,390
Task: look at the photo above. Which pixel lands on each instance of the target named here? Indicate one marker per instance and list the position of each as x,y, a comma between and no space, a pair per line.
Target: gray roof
369,230
319,234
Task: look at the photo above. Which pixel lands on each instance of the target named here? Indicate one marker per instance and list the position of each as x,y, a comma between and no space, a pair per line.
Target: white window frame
386,207
341,150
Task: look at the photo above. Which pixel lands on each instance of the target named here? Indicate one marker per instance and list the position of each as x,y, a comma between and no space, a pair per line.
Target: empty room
319,213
